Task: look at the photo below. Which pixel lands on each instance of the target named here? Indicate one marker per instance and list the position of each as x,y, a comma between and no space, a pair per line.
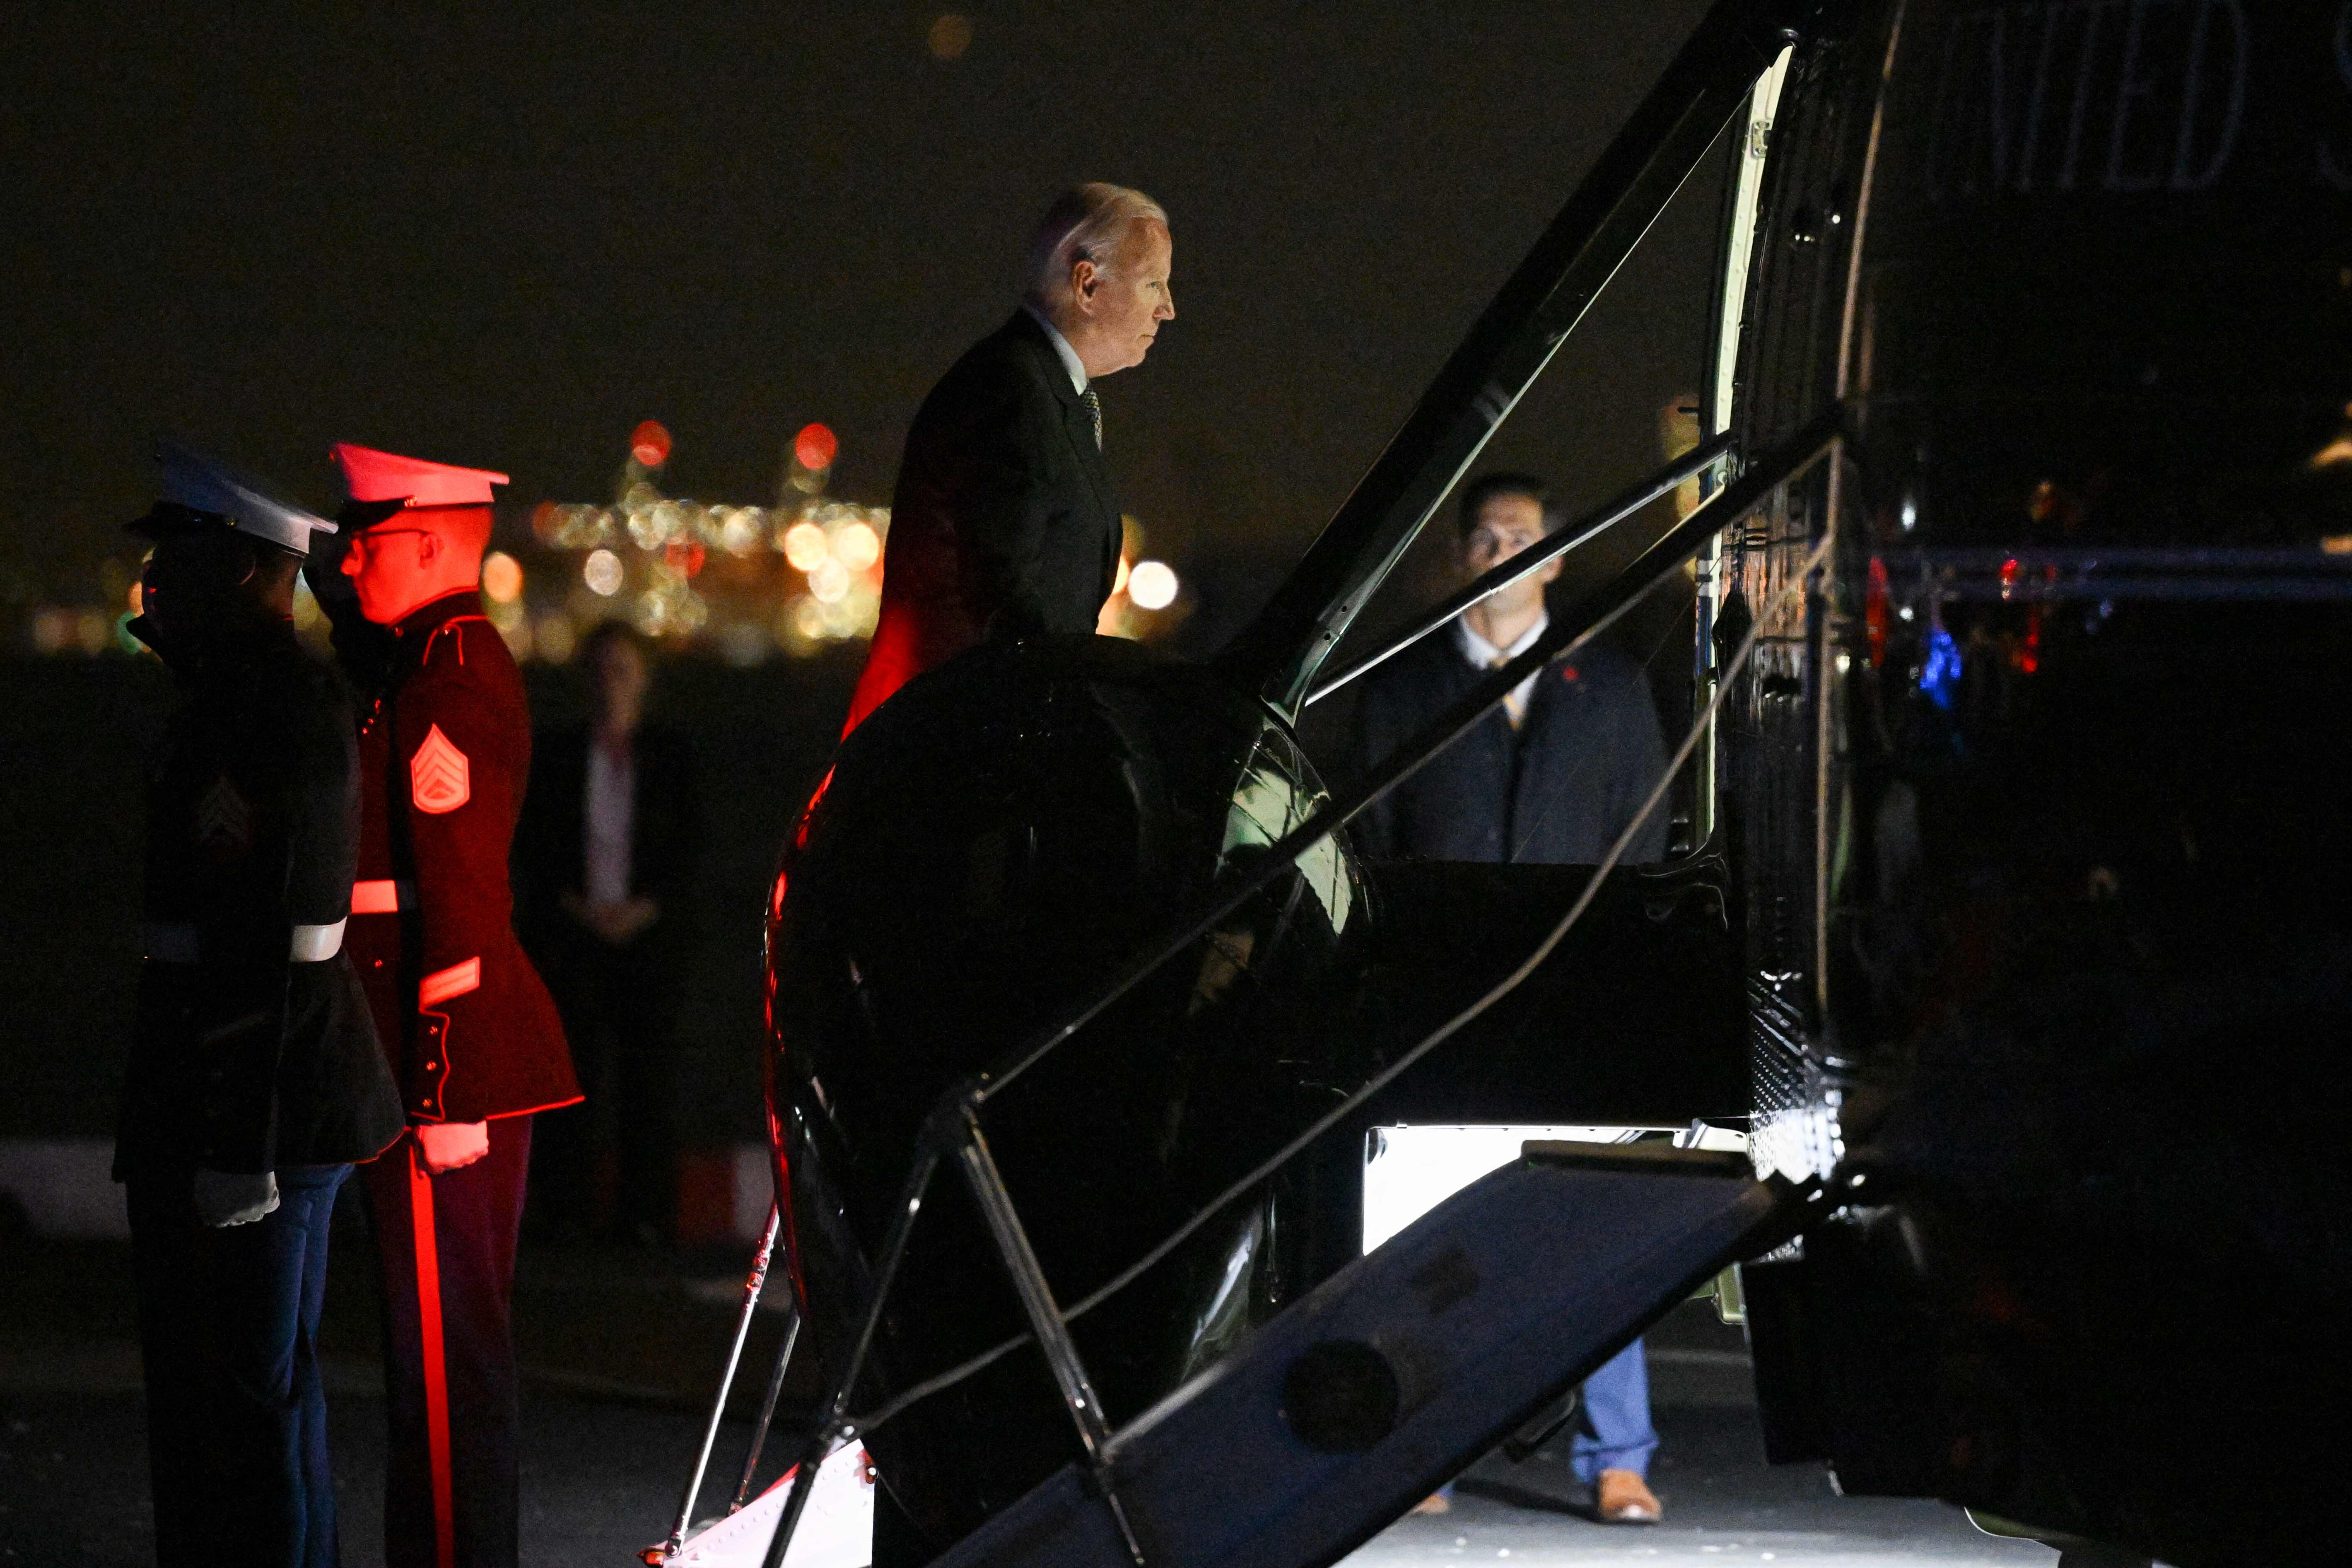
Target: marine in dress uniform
255,1079
1552,776
469,1031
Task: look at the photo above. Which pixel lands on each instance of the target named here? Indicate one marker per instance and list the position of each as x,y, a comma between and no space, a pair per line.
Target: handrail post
1046,1319
832,1426
767,1411
753,1285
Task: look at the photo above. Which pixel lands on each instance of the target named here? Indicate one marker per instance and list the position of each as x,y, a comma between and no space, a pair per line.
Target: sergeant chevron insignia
439,778
224,821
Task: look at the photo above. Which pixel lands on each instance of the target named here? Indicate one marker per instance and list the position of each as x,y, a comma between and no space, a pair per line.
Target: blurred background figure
610,832
1553,775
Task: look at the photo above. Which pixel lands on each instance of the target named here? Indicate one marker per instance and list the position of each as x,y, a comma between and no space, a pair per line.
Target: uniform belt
316,944
383,897
175,941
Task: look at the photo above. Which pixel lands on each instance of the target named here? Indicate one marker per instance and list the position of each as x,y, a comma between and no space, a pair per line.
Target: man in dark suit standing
1004,525
1554,775
604,856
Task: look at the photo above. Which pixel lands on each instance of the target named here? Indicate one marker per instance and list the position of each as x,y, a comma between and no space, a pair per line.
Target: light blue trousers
1612,1421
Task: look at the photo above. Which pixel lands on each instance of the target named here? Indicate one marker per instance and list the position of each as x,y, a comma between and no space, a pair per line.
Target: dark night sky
502,239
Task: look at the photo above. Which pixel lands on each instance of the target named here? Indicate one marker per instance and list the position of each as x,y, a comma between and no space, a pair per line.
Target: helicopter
2005,932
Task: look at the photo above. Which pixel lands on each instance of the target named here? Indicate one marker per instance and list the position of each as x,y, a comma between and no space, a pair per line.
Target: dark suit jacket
1003,525
246,1059
665,832
1556,791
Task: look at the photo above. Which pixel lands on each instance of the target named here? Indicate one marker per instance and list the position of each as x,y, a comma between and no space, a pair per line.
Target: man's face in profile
1125,305
390,566
187,582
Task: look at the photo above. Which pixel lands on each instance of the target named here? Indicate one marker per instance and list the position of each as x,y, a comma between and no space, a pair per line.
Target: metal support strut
1046,1319
754,1285
767,1412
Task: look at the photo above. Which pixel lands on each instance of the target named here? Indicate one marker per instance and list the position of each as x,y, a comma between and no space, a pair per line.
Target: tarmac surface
619,1348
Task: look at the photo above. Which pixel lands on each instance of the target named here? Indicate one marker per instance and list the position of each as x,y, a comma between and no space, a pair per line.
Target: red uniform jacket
444,749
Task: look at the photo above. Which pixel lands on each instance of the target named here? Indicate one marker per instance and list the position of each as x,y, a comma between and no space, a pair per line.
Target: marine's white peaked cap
199,483
372,475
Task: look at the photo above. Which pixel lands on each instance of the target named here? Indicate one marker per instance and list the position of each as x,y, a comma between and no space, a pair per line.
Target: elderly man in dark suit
1004,525
1552,776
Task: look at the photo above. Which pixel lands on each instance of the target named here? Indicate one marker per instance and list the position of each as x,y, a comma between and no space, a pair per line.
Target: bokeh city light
502,578
950,36
602,572
815,447
1152,586
649,444
742,582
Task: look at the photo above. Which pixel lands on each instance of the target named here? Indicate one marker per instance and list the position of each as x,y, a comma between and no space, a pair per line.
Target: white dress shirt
1484,654
1062,349
608,812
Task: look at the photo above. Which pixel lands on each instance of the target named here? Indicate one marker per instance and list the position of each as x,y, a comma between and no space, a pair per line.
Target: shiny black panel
2041,833
1634,1020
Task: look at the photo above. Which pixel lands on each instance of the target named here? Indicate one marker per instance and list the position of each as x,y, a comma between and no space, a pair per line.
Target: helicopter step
836,1529
1402,1368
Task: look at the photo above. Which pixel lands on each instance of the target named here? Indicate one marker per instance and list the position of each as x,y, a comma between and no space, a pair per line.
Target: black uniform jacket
1004,525
664,830
1556,791
444,753
245,1057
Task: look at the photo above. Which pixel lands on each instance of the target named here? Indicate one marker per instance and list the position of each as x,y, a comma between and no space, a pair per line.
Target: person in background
605,858
1554,774
255,1080
1004,525
473,1038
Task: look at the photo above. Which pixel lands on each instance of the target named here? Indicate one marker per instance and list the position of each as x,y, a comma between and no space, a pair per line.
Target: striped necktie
1094,406
1515,701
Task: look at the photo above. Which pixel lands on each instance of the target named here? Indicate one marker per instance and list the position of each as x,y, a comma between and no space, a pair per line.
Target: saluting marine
255,1078
470,1031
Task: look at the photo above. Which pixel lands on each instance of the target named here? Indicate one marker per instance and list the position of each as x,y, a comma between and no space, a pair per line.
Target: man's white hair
1089,223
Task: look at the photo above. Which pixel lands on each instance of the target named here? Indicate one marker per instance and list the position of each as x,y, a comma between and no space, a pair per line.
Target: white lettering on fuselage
2114,95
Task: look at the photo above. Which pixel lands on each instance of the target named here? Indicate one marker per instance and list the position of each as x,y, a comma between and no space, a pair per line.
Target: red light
801,833
649,444
814,447
2031,660
1873,611
682,557
893,658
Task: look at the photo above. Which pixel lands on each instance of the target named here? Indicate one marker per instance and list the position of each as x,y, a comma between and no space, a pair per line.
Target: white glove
447,1145
235,1197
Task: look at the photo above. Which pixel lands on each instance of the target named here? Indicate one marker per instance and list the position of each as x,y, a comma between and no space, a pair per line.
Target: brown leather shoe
1625,1499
